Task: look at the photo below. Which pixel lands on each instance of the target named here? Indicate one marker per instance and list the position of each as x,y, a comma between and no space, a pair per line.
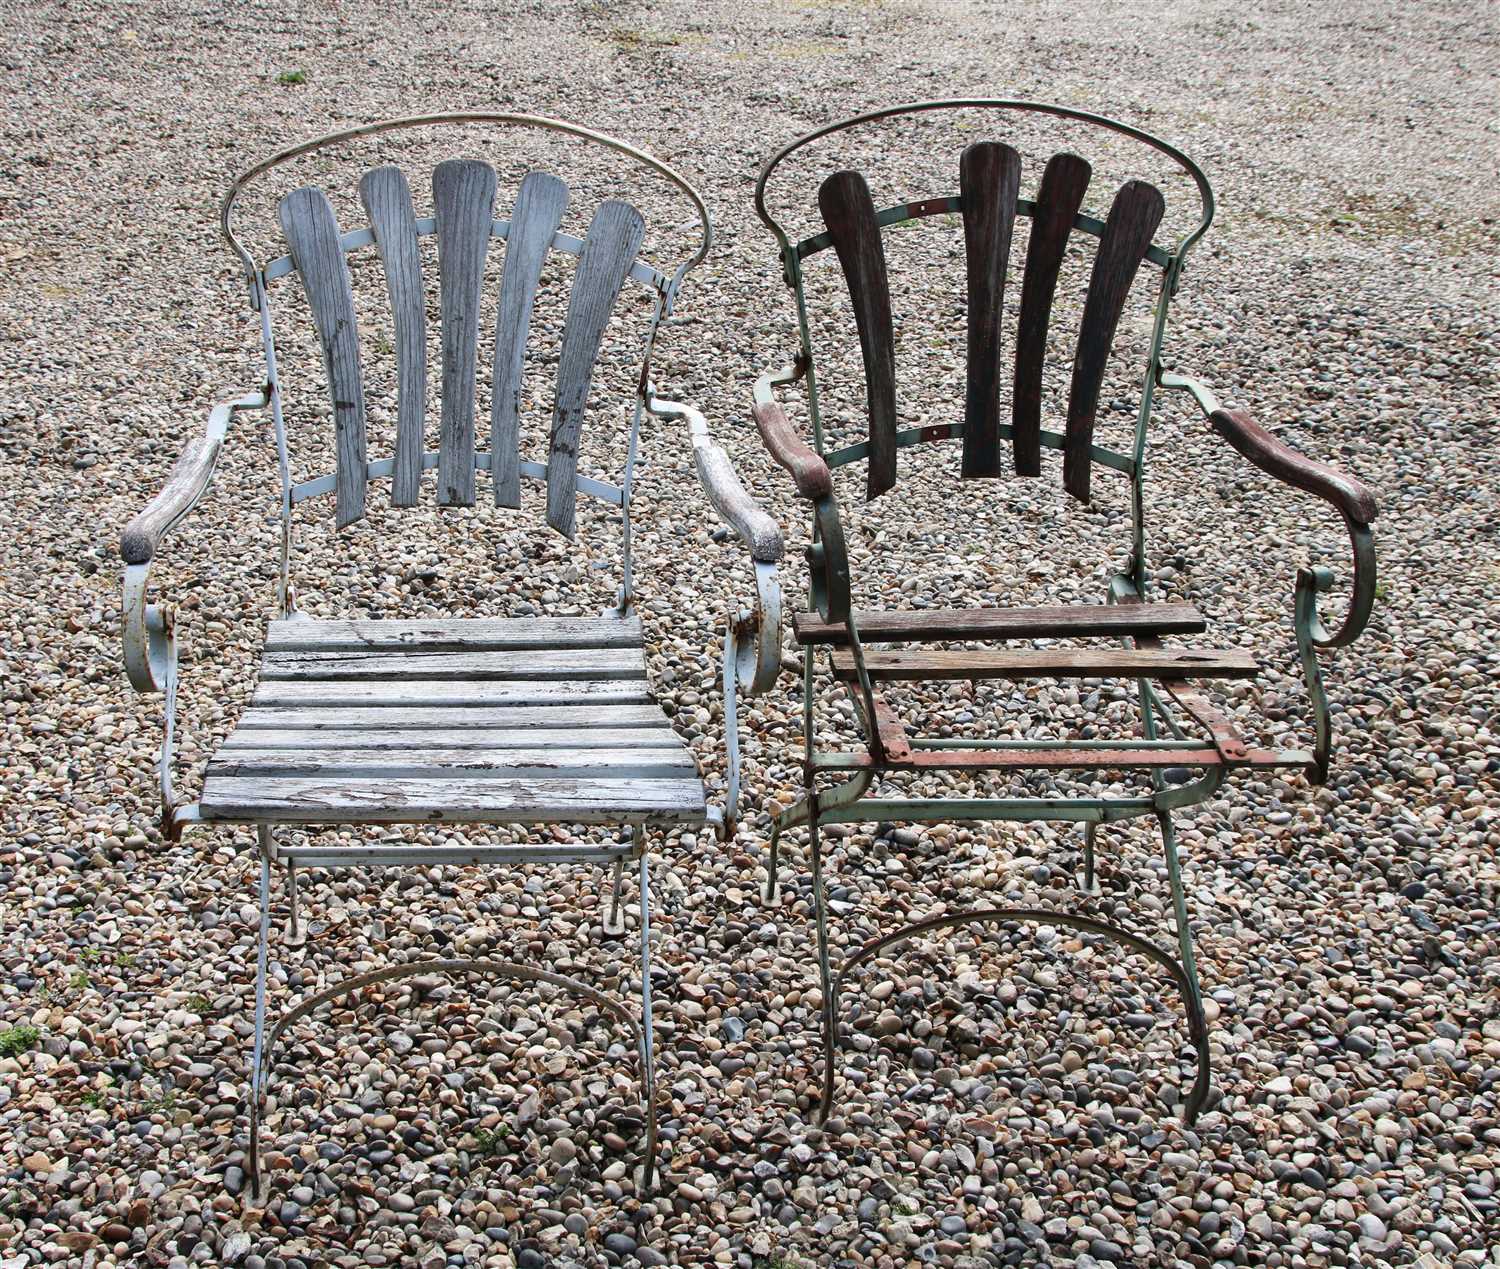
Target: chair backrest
463,220
989,199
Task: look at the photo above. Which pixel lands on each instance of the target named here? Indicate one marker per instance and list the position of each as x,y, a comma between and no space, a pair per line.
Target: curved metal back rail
542,122
907,211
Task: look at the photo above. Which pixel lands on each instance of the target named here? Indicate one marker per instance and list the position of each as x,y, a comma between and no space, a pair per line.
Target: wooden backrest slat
989,184
312,235
387,200
613,238
1064,183
1133,218
849,212
463,197
540,203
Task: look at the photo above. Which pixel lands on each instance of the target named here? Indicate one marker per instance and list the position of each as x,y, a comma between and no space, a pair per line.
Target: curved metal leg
296,936
648,1057
1088,880
614,916
826,977
731,738
265,1040
1197,1022
1181,974
256,1191
841,795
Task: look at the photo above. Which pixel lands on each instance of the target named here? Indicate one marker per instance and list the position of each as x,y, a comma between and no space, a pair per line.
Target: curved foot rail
502,970
1197,1023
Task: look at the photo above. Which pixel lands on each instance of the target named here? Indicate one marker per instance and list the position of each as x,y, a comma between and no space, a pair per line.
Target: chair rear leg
1197,1021
1088,879
296,935
648,1057
614,915
825,972
256,1192
771,892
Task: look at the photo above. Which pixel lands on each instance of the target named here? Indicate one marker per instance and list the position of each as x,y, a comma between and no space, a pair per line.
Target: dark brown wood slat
989,183
1061,758
614,236
540,204
312,234
463,196
1058,621
1137,211
849,212
387,200
1064,183
1054,663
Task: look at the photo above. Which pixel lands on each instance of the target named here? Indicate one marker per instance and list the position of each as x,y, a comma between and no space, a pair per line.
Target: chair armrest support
808,470
722,484
150,646
1347,494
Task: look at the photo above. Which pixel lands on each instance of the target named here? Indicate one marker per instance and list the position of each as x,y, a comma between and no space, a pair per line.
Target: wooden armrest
187,483
807,468
1276,458
734,504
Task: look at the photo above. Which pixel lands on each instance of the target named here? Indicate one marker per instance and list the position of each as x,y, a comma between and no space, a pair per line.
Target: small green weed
489,1143
197,1003
292,77
15,1041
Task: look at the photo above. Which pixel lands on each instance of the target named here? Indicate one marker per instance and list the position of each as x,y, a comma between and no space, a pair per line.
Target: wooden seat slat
474,634
376,739
666,761
1056,621
417,664
1151,663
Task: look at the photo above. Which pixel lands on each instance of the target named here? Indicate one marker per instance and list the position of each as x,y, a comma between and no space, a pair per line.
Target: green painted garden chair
524,720
1184,746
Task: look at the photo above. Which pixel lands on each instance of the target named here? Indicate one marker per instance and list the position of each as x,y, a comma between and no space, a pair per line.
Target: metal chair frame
1220,753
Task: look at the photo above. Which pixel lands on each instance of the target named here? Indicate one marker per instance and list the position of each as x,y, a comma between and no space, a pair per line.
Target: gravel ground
1012,1102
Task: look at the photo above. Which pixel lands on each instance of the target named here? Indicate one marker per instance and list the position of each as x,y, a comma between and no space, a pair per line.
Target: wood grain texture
455,736
1133,218
1276,458
989,184
523,800
613,239
730,498
1057,621
398,694
1069,663
540,204
557,712
463,198
387,200
1064,183
808,470
312,236
188,481
412,665
471,634
849,212
434,762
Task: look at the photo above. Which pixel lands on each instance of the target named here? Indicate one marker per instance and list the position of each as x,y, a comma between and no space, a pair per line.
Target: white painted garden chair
529,720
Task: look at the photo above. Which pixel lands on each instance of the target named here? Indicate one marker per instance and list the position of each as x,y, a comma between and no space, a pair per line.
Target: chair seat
517,721
1054,621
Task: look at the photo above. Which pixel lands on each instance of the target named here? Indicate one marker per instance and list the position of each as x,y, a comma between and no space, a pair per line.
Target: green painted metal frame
829,594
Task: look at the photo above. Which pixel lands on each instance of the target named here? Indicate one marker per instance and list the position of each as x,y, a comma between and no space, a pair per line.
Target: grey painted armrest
185,486
725,491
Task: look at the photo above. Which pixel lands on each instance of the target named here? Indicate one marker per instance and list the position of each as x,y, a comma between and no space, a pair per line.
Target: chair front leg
648,1057
256,1192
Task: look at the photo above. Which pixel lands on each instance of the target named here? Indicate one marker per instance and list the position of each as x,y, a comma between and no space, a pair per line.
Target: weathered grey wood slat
384,692
461,764
849,212
312,235
1133,218
415,740
1053,621
471,634
1064,183
188,482
989,184
395,801
532,718
540,204
463,196
614,236
571,664
387,200
1071,663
